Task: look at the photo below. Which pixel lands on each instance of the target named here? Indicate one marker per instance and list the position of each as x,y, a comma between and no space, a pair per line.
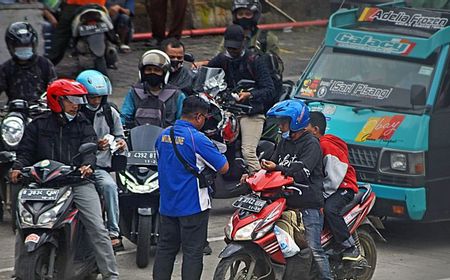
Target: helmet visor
79,100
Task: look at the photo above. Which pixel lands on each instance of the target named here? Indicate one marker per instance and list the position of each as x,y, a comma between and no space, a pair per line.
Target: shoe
207,250
117,245
124,48
351,254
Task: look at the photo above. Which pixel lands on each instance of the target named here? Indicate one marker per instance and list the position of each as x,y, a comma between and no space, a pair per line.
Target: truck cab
382,79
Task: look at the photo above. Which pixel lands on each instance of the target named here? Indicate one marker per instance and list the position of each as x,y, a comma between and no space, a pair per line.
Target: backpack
292,223
108,114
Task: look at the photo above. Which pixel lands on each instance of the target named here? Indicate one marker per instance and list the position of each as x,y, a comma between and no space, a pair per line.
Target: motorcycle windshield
143,138
210,80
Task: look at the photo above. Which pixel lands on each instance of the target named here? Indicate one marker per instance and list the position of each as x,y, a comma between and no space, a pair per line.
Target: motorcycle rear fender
146,211
103,16
367,222
96,43
44,238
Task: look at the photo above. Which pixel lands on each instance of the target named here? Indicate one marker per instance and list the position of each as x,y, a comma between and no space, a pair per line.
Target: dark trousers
190,233
332,210
63,33
157,10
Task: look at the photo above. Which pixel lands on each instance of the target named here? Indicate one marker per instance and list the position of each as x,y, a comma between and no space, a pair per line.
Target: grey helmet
253,5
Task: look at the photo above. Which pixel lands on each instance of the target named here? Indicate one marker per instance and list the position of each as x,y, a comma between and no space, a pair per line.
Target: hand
198,64
15,176
125,11
244,179
103,144
121,145
114,10
244,95
268,165
86,171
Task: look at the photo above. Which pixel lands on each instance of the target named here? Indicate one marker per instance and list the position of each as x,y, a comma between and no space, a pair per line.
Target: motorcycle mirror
6,157
85,149
189,57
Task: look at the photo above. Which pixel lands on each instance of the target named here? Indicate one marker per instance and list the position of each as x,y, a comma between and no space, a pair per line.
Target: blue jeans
313,221
108,188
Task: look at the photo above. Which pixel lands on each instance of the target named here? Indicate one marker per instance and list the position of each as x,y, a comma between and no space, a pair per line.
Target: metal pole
280,11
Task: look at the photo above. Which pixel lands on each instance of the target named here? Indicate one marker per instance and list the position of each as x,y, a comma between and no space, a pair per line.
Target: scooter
139,192
253,251
94,39
55,242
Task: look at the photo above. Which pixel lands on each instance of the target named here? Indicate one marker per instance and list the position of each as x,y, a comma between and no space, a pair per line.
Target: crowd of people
163,96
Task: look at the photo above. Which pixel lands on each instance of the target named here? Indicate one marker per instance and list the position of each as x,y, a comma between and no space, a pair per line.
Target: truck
382,79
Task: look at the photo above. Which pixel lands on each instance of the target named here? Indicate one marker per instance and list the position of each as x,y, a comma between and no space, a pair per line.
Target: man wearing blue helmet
107,124
299,155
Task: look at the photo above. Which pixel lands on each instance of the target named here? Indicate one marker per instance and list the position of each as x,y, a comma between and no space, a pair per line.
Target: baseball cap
234,36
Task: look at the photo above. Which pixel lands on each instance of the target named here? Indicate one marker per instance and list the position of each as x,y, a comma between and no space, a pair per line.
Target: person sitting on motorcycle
121,12
152,100
27,74
180,76
106,121
239,64
299,155
339,184
57,135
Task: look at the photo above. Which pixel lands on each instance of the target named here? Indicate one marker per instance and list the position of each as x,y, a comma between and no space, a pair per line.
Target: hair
192,105
173,42
318,119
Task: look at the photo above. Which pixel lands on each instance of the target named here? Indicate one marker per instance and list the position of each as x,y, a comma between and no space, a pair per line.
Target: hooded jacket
337,168
302,160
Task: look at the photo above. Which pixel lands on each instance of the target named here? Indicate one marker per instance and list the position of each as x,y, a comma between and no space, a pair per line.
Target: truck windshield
365,80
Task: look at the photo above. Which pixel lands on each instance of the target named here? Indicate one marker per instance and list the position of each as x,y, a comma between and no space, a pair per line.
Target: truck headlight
398,161
12,130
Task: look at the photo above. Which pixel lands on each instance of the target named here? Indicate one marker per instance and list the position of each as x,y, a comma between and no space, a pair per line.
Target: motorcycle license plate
142,158
250,203
86,30
39,194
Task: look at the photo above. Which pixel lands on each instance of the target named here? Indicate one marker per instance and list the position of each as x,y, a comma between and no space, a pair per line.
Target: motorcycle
139,192
94,39
16,115
252,250
222,126
55,242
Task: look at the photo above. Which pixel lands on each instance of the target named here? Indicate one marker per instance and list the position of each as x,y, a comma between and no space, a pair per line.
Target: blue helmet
296,110
95,82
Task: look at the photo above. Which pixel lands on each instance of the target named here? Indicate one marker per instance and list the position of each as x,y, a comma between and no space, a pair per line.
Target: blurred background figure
121,12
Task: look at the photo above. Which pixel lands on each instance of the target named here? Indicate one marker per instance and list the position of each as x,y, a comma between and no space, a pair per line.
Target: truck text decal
380,128
369,43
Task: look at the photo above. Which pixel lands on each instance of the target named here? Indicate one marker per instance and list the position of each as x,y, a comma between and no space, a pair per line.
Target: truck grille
363,156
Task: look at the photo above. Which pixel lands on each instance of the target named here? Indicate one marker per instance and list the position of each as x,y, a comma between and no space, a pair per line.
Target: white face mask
92,108
69,117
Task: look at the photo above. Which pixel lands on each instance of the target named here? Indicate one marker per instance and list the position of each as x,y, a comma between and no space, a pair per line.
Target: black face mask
176,65
153,80
246,23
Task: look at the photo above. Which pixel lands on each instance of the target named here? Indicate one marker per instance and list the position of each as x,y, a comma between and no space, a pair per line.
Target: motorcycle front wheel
369,252
143,241
236,267
34,265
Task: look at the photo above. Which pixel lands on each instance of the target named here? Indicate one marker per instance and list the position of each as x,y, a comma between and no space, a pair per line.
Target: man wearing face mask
27,74
240,63
180,76
152,100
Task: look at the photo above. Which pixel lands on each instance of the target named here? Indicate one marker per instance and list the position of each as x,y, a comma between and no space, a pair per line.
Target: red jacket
338,171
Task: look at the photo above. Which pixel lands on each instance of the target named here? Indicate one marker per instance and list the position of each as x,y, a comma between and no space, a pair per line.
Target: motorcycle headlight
49,217
149,186
25,217
12,130
245,233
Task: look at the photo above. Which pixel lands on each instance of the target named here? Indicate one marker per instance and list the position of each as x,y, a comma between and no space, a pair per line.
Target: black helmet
252,5
20,34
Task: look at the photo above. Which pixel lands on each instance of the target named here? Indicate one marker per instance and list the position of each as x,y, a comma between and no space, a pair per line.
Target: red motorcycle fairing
265,181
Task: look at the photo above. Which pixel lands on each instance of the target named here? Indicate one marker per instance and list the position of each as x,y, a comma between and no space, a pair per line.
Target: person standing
183,155
157,11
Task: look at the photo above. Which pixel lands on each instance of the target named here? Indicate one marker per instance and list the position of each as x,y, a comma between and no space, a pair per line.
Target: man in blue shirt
184,202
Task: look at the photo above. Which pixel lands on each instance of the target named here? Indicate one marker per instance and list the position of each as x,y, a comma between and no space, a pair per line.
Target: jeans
108,188
88,203
251,131
313,221
333,206
123,27
190,232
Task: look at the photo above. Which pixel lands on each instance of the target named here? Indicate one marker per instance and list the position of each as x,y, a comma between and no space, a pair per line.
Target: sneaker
351,254
124,48
117,244
207,250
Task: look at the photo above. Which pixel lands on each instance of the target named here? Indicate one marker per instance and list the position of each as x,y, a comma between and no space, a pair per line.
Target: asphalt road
413,251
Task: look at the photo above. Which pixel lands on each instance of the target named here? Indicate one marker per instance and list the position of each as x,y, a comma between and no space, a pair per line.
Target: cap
234,36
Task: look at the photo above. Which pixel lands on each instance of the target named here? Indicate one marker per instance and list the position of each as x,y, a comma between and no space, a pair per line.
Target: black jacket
27,81
302,159
46,138
248,67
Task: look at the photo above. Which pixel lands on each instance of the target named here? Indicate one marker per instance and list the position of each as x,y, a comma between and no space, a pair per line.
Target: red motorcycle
252,250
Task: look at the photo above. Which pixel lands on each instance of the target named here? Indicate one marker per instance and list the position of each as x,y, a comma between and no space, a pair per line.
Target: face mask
246,23
92,108
175,65
227,54
23,53
69,117
286,135
153,80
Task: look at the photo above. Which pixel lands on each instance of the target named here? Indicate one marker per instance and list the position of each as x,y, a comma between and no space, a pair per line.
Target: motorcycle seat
360,197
